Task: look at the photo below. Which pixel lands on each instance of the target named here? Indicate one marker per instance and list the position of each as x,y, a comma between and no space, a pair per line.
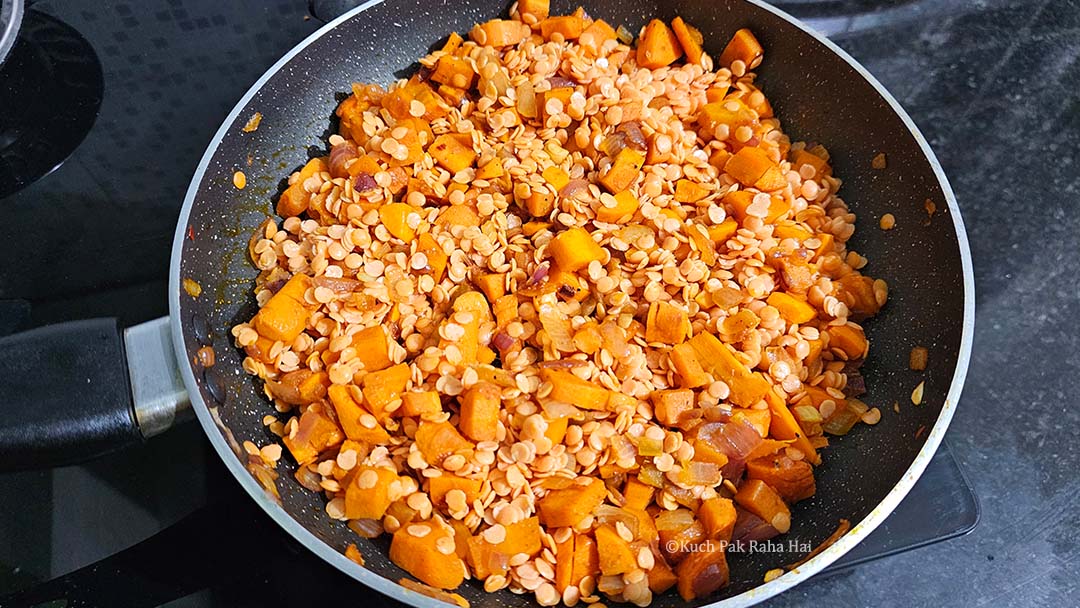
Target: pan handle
73,391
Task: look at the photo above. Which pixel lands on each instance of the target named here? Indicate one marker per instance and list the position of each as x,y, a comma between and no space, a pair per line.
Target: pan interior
817,96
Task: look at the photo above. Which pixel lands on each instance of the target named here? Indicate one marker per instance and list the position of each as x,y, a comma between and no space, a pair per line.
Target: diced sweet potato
492,170
783,425
453,71
437,440
592,39
720,233
300,387
718,516
493,285
499,33
562,94
556,430
747,388
451,154
791,231
792,309
569,388
383,387
484,559
567,26
625,206
804,157
480,411
349,414
689,38
757,497
439,486
666,323
521,537
857,291
616,556
315,433
732,113
658,46
458,215
294,200
686,365
573,249
395,217
743,47
586,559
702,573
564,563
678,540
759,419
453,43
749,165
428,552
793,480
567,507
534,11
661,577
687,191
373,348
637,494
436,257
624,170
368,494
670,405
848,338
286,313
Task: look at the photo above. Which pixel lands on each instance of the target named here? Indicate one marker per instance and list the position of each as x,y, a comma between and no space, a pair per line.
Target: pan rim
750,597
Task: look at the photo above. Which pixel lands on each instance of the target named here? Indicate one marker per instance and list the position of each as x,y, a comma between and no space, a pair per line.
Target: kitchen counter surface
995,91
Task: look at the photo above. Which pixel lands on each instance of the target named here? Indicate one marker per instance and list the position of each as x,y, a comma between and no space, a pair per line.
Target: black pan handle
69,392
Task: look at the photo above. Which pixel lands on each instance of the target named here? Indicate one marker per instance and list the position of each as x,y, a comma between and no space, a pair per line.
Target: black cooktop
105,109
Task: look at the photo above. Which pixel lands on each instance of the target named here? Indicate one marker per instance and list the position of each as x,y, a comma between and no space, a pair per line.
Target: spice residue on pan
191,287
561,314
253,123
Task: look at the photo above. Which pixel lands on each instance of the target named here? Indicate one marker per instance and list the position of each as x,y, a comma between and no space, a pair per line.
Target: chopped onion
674,521
614,338
560,409
502,341
539,275
366,528
308,478
651,476
561,364
700,474
557,326
735,440
648,447
558,82
608,514
573,187
337,285
364,182
340,155
624,450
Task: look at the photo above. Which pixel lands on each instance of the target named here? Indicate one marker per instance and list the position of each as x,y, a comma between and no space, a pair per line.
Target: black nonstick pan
72,391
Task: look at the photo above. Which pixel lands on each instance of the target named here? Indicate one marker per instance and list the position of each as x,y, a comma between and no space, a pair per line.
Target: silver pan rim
748,598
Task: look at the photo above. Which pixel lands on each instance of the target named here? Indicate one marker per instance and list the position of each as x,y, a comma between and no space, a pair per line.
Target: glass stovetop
143,86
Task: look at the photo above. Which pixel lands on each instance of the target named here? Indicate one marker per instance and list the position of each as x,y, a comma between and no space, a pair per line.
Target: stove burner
51,93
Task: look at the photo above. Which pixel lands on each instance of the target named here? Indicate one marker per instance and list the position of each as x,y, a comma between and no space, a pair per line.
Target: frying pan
78,389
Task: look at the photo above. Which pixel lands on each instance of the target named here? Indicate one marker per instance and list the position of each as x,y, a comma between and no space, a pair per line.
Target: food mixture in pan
565,313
